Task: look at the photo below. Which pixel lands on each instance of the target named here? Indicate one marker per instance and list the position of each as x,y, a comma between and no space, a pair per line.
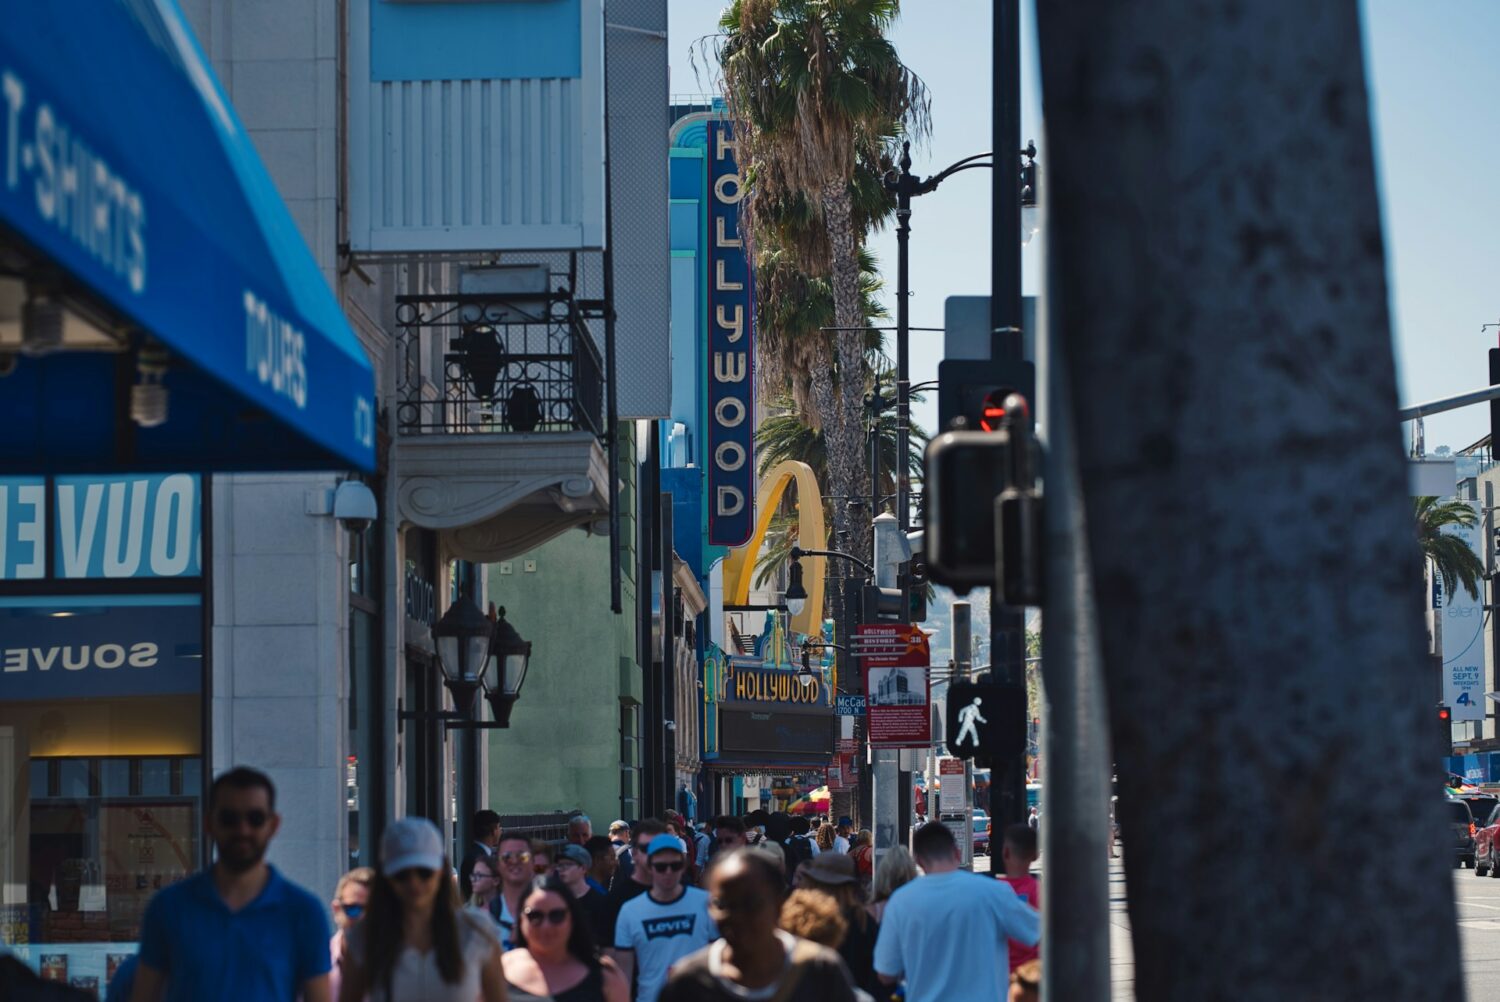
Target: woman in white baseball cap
416,942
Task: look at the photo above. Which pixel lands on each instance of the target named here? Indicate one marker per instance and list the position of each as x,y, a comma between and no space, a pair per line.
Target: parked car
1481,805
1487,844
1461,824
981,833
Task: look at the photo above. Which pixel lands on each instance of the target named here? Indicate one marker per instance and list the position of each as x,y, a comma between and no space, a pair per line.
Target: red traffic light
992,410
1445,715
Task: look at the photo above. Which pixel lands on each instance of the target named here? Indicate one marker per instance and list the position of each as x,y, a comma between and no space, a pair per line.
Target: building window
630,762
101,772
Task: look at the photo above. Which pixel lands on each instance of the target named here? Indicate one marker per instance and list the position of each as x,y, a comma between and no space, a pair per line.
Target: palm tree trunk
1218,278
845,434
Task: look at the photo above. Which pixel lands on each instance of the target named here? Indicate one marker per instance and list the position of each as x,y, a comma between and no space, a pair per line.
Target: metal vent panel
476,165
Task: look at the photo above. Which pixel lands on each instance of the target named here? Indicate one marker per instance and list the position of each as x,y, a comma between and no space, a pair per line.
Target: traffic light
965,472
1494,404
1445,715
975,389
986,719
981,491
915,578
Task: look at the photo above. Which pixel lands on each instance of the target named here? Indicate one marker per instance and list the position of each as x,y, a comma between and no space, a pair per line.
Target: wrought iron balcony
516,362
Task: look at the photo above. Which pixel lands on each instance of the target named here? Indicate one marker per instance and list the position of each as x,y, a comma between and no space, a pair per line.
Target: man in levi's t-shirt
1017,856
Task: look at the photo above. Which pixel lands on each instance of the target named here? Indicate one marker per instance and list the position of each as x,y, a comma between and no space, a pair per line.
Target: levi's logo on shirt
672,925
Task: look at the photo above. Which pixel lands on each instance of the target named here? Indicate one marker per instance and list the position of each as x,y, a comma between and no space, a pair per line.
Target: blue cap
665,843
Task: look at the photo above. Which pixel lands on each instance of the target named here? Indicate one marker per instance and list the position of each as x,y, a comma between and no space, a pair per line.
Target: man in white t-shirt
945,933
841,835
668,922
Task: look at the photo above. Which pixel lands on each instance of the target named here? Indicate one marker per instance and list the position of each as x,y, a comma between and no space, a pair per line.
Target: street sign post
954,792
850,705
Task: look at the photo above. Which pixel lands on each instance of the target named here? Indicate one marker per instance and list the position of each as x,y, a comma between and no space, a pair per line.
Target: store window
101,712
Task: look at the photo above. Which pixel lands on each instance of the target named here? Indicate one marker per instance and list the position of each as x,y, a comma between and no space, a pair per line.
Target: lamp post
462,636
463,641
475,655
508,659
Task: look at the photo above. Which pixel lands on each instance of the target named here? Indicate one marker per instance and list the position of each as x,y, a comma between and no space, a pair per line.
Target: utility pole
1075,740
1007,624
888,558
963,670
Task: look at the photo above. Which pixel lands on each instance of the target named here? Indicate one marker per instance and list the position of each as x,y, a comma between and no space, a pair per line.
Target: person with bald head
753,958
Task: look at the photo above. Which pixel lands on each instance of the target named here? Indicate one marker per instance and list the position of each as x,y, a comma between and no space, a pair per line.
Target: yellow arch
739,565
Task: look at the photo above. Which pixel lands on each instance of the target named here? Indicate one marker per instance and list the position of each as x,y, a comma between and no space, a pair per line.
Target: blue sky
1433,80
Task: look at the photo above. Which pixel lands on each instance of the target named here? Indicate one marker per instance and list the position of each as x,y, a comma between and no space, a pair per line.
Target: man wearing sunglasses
668,922
513,856
238,930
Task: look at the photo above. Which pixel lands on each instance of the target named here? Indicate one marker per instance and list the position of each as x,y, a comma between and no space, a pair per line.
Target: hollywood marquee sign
731,354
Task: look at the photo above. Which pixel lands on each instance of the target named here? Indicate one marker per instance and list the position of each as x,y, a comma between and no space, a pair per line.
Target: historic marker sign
731,352
898,689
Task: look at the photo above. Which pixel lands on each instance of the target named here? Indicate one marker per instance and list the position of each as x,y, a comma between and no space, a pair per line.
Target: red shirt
1029,891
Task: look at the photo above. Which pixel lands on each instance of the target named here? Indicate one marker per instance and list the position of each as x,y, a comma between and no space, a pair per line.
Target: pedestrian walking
862,850
1026,983
514,856
631,880
619,834
810,914
541,857
939,932
825,838
238,930
572,869
1018,852
843,835
580,829
417,943
556,959
754,959
350,897
660,927
727,833
484,879
833,874
897,869
602,852
486,826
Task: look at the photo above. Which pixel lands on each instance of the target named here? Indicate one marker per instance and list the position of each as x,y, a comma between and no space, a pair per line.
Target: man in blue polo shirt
239,930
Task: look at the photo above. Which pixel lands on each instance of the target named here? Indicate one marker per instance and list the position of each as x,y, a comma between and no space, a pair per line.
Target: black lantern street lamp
796,591
463,642
505,668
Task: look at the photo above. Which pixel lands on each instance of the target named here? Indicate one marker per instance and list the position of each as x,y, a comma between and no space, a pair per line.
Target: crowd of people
760,907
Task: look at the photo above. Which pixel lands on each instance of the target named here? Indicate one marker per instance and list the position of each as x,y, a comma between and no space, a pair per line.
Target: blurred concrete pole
1075,731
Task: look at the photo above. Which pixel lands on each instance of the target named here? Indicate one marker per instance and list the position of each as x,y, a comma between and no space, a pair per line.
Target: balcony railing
503,362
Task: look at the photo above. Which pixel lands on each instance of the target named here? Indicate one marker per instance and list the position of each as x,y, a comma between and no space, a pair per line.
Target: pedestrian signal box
975,389
986,719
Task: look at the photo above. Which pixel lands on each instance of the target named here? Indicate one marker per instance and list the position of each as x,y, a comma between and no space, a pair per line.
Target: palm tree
1451,557
815,88
784,435
792,349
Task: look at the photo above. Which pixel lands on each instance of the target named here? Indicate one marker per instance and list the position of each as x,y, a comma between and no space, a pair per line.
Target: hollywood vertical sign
731,354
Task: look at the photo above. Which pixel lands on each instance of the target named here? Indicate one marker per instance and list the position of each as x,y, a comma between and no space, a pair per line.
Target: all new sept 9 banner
731,351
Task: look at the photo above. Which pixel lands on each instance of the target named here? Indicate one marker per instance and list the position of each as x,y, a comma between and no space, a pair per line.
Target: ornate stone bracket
494,497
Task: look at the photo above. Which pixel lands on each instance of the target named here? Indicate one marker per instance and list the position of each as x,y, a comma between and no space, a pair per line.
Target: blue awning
129,188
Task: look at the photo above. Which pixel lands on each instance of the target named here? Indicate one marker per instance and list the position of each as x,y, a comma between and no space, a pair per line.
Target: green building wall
564,747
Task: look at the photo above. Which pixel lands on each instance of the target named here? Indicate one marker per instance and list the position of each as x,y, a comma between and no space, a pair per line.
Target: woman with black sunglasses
417,943
555,958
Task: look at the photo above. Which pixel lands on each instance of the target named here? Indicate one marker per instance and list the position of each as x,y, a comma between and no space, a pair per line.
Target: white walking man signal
966,719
